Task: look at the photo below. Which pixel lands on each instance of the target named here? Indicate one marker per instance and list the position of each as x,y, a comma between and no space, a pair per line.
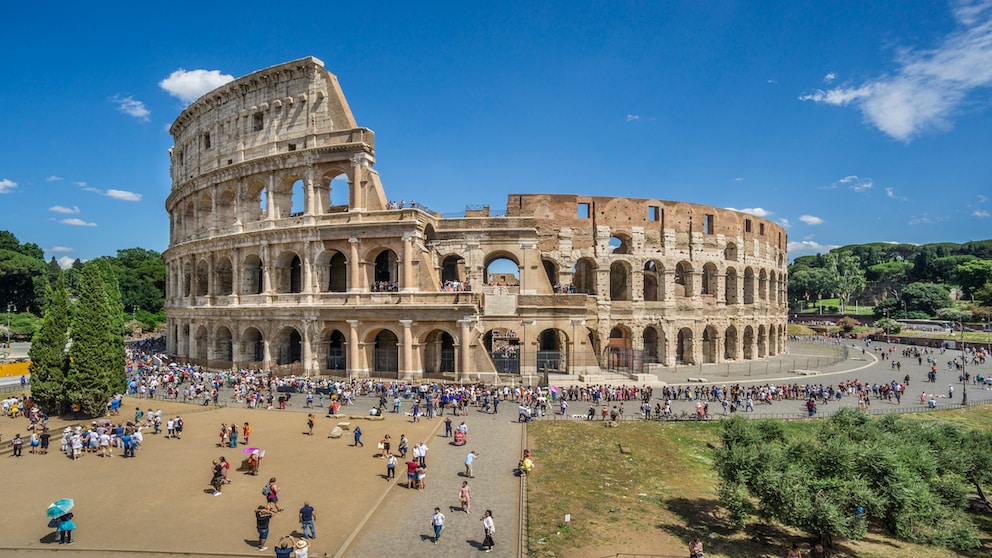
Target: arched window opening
226,206
748,286
439,352
189,220
290,347
748,343
650,338
338,197
252,276
619,245
337,357
684,348
683,280
709,279
584,276
295,275
337,274
430,235
730,344
619,352
200,343
386,352
709,345
502,271
204,222
619,281
652,282
202,279
223,346
503,347
298,197
730,252
551,352
551,270
763,285
452,268
762,342
386,272
253,347
288,276
187,281
730,287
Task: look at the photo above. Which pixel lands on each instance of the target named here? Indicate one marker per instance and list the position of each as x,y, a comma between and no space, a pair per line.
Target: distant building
286,253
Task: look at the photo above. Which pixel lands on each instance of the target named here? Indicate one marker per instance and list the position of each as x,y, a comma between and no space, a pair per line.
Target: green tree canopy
49,359
926,297
973,275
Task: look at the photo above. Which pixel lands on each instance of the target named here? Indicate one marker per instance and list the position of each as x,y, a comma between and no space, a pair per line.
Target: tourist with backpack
271,493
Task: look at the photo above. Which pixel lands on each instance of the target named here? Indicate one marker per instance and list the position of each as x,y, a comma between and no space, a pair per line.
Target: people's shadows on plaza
50,538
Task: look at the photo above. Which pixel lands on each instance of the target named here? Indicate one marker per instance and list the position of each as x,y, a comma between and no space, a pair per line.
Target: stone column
407,369
267,270
465,361
270,209
721,288
527,282
236,276
408,281
355,362
307,351
308,188
307,264
266,352
356,284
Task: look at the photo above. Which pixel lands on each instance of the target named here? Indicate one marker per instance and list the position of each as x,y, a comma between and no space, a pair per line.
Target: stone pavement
401,524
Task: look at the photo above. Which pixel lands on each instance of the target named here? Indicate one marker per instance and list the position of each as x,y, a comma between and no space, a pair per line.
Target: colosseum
286,254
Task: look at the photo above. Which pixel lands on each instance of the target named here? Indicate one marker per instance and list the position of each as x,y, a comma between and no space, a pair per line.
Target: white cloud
925,219
811,219
773,82
122,195
131,107
77,222
60,249
756,211
633,117
53,178
190,85
891,193
65,262
739,179
928,86
6,185
808,248
980,213
854,183
829,77
80,184
63,209
784,222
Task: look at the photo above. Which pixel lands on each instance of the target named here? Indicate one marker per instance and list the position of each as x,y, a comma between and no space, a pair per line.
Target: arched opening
709,279
653,281
290,344
253,347
200,343
619,281
502,270
223,277
333,192
385,273
730,252
709,345
619,351
187,280
584,276
430,235
772,288
298,198
763,285
730,344
730,287
683,279
256,202
503,347
772,340
762,342
289,273
551,351
683,347
551,270
650,338
748,343
204,215
386,356
439,352
189,219
452,268
223,346
619,244
748,286
202,278
252,278
336,357
332,272
226,215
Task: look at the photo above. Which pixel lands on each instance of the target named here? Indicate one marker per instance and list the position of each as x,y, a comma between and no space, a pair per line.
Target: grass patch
661,495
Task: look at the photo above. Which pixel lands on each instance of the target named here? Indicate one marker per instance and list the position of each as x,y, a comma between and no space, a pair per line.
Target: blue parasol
59,508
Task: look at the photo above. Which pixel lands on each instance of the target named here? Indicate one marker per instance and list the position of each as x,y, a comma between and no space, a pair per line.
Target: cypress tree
117,379
96,353
49,360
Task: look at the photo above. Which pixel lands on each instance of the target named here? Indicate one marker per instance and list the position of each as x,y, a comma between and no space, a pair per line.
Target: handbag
380,445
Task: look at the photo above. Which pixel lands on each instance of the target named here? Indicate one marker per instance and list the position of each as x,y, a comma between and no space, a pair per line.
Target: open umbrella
60,507
248,450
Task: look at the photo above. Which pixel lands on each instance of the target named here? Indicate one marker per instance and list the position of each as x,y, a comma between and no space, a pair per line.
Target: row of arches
258,199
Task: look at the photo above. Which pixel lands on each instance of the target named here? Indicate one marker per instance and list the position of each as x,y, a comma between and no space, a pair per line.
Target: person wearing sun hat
301,548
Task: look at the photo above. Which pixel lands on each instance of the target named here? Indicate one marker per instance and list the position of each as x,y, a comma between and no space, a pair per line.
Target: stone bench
806,372
697,380
344,425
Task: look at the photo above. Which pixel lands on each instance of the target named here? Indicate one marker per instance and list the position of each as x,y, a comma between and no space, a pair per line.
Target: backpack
266,490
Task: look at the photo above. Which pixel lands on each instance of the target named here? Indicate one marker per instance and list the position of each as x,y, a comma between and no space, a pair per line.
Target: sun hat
301,543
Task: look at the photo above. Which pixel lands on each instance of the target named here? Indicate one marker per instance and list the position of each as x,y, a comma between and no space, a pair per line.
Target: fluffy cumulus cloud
980,213
784,222
808,248
6,185
131,107
928,86
190,85
122,195
811,219
756,211
77,222
63,209
829,77
65,262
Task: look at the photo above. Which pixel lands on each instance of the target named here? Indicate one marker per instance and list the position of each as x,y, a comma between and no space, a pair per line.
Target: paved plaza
160,503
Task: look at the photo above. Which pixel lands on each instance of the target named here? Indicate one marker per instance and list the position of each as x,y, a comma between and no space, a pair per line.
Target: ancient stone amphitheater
286,254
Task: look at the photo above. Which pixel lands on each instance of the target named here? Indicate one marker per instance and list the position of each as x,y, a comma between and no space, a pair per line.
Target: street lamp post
964,373
10,307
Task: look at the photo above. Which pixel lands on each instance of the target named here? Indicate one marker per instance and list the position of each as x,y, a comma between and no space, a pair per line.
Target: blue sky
847,122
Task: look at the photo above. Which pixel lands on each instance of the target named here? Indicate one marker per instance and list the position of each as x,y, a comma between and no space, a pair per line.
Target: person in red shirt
411,474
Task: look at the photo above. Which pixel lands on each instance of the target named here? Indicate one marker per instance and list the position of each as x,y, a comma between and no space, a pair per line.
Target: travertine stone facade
285,252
